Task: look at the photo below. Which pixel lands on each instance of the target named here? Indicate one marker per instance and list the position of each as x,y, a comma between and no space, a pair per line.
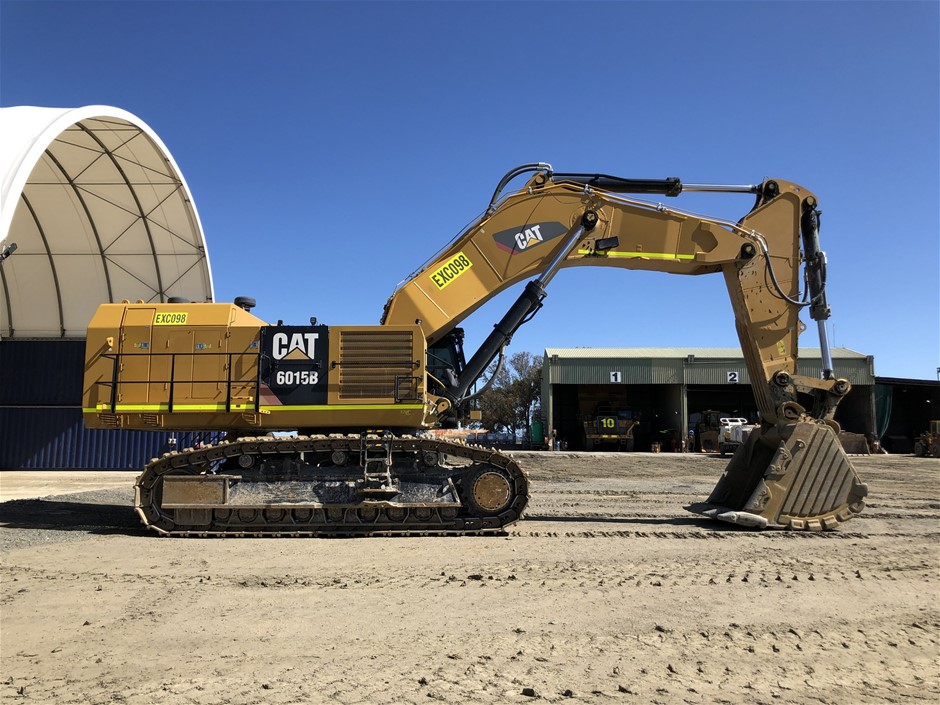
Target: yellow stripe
647,255
347,407
140,408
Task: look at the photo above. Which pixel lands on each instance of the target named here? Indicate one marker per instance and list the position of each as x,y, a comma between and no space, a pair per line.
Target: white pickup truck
732,433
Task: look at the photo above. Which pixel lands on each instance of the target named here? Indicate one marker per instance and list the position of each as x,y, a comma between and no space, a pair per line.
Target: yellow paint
646,255
347,407
145,408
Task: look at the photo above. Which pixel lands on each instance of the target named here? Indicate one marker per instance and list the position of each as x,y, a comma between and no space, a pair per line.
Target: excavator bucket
794,476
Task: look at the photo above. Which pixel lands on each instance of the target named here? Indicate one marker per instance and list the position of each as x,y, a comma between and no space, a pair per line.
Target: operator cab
445,362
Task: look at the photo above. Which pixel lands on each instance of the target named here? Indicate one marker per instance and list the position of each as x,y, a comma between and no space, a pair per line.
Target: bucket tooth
794,476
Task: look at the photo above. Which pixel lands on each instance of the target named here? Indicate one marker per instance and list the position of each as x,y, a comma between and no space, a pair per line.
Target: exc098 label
457,265
170,318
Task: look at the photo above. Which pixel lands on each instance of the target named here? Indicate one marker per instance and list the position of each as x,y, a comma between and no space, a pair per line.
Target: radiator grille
370,361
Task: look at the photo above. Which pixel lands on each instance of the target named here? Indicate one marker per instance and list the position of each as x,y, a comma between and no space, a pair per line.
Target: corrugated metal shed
683,365
628,353
41,423
41,372
667,385
56,438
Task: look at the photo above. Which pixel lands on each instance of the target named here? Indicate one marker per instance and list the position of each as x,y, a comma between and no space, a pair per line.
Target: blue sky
331,148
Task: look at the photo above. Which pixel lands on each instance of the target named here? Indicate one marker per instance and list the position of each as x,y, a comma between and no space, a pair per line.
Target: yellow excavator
323,424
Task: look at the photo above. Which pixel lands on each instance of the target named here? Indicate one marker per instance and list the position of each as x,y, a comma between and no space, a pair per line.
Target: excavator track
331,486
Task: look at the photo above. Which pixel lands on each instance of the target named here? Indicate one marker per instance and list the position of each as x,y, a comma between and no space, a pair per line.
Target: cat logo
524,238
294,346
528,235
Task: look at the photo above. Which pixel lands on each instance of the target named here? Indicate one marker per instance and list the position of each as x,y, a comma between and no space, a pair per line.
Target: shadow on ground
697,521
64,515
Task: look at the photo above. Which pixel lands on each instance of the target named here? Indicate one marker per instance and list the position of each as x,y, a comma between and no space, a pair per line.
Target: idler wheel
488,492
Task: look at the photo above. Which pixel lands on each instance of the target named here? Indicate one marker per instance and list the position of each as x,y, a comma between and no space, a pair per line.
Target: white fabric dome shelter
99,212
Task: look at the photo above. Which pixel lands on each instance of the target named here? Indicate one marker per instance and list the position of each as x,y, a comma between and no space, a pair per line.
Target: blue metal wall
41,418
41,372
56,438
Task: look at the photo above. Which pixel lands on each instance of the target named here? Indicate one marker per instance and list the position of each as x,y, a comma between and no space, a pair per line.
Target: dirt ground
608,592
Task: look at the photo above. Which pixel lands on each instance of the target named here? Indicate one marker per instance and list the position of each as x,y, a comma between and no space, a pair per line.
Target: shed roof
692,366
99,212
671,353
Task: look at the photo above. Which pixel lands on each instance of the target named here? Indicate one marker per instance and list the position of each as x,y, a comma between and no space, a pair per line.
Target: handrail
115,382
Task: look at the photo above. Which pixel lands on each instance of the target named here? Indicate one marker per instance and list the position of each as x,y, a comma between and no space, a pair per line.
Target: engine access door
133,378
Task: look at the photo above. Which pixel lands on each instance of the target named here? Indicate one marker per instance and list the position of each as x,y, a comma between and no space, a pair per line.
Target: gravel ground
607,592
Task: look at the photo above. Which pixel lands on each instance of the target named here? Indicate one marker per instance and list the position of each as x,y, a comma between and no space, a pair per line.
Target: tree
509,403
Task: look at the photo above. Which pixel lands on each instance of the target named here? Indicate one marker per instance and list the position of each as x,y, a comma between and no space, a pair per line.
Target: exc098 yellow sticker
450,270
170,318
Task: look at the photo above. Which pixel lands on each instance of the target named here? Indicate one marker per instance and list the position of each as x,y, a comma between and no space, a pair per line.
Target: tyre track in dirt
558,575
599,596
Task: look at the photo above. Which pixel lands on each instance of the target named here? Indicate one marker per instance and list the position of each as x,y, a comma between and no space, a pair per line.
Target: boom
568,220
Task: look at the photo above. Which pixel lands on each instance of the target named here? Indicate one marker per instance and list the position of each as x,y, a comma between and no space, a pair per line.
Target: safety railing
119,380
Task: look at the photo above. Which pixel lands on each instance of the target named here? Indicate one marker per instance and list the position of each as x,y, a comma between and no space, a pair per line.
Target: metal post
228,389
172,375
114,382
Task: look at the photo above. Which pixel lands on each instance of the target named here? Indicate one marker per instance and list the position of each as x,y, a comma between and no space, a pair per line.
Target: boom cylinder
529,301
